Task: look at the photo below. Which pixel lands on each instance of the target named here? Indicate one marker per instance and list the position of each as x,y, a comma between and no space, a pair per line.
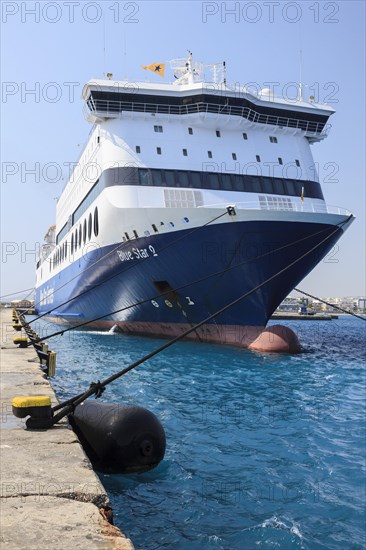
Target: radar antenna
189,71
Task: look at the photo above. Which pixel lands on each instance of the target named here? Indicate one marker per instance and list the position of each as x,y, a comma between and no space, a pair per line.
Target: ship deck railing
106,108
309,207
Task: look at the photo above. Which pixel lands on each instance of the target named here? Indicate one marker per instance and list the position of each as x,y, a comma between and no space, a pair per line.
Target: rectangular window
266,184
181,179
177,198
214,181
138,149
144,177
62,233
195,179
258,158
237,182
158,150
280,161
158,129
275,203
279,186
169,178
85,203
218,134
245,136
253,184
226,182
198,198
297,162
273,139
185,152
233,155
190,131
209,154
157,177
290,187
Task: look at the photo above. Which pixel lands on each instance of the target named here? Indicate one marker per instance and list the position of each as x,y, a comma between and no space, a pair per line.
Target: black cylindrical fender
118,438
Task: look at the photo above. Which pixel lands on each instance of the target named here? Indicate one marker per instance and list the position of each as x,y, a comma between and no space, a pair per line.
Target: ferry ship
187,196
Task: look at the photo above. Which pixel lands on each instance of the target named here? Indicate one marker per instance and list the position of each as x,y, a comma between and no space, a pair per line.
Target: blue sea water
264,451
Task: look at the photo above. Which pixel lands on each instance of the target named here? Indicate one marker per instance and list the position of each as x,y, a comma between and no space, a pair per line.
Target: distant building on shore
22,304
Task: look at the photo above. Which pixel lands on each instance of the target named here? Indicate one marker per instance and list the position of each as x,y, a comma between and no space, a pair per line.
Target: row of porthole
78,237
210,154
84,232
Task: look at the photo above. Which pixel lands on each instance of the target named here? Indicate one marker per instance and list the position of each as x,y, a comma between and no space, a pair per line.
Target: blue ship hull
215,265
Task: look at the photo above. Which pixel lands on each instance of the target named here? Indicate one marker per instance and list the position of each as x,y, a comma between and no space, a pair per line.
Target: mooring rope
19,292
331,305
191,283
121,271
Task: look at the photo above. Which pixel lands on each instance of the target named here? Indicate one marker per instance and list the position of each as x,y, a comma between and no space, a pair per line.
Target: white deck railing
294,207
111,108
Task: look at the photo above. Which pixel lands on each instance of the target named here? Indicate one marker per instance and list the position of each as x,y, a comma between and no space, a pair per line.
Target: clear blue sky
61,44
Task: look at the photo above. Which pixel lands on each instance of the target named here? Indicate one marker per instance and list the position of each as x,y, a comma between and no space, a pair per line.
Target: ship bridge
188,96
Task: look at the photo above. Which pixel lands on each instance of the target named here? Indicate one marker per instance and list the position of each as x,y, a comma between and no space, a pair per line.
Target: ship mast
186,71
190,69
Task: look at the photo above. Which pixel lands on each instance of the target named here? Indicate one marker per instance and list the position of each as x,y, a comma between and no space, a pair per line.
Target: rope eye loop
97,388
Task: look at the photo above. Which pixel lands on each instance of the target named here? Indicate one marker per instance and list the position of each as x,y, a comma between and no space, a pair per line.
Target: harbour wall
50,495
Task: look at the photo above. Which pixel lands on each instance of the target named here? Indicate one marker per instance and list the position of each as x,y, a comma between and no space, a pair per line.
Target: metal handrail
111,107
294,207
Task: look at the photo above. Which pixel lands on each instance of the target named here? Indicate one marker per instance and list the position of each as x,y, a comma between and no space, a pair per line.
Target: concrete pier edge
50,496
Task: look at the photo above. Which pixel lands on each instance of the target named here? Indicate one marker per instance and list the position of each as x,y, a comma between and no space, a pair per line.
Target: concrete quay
284,316
50,496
